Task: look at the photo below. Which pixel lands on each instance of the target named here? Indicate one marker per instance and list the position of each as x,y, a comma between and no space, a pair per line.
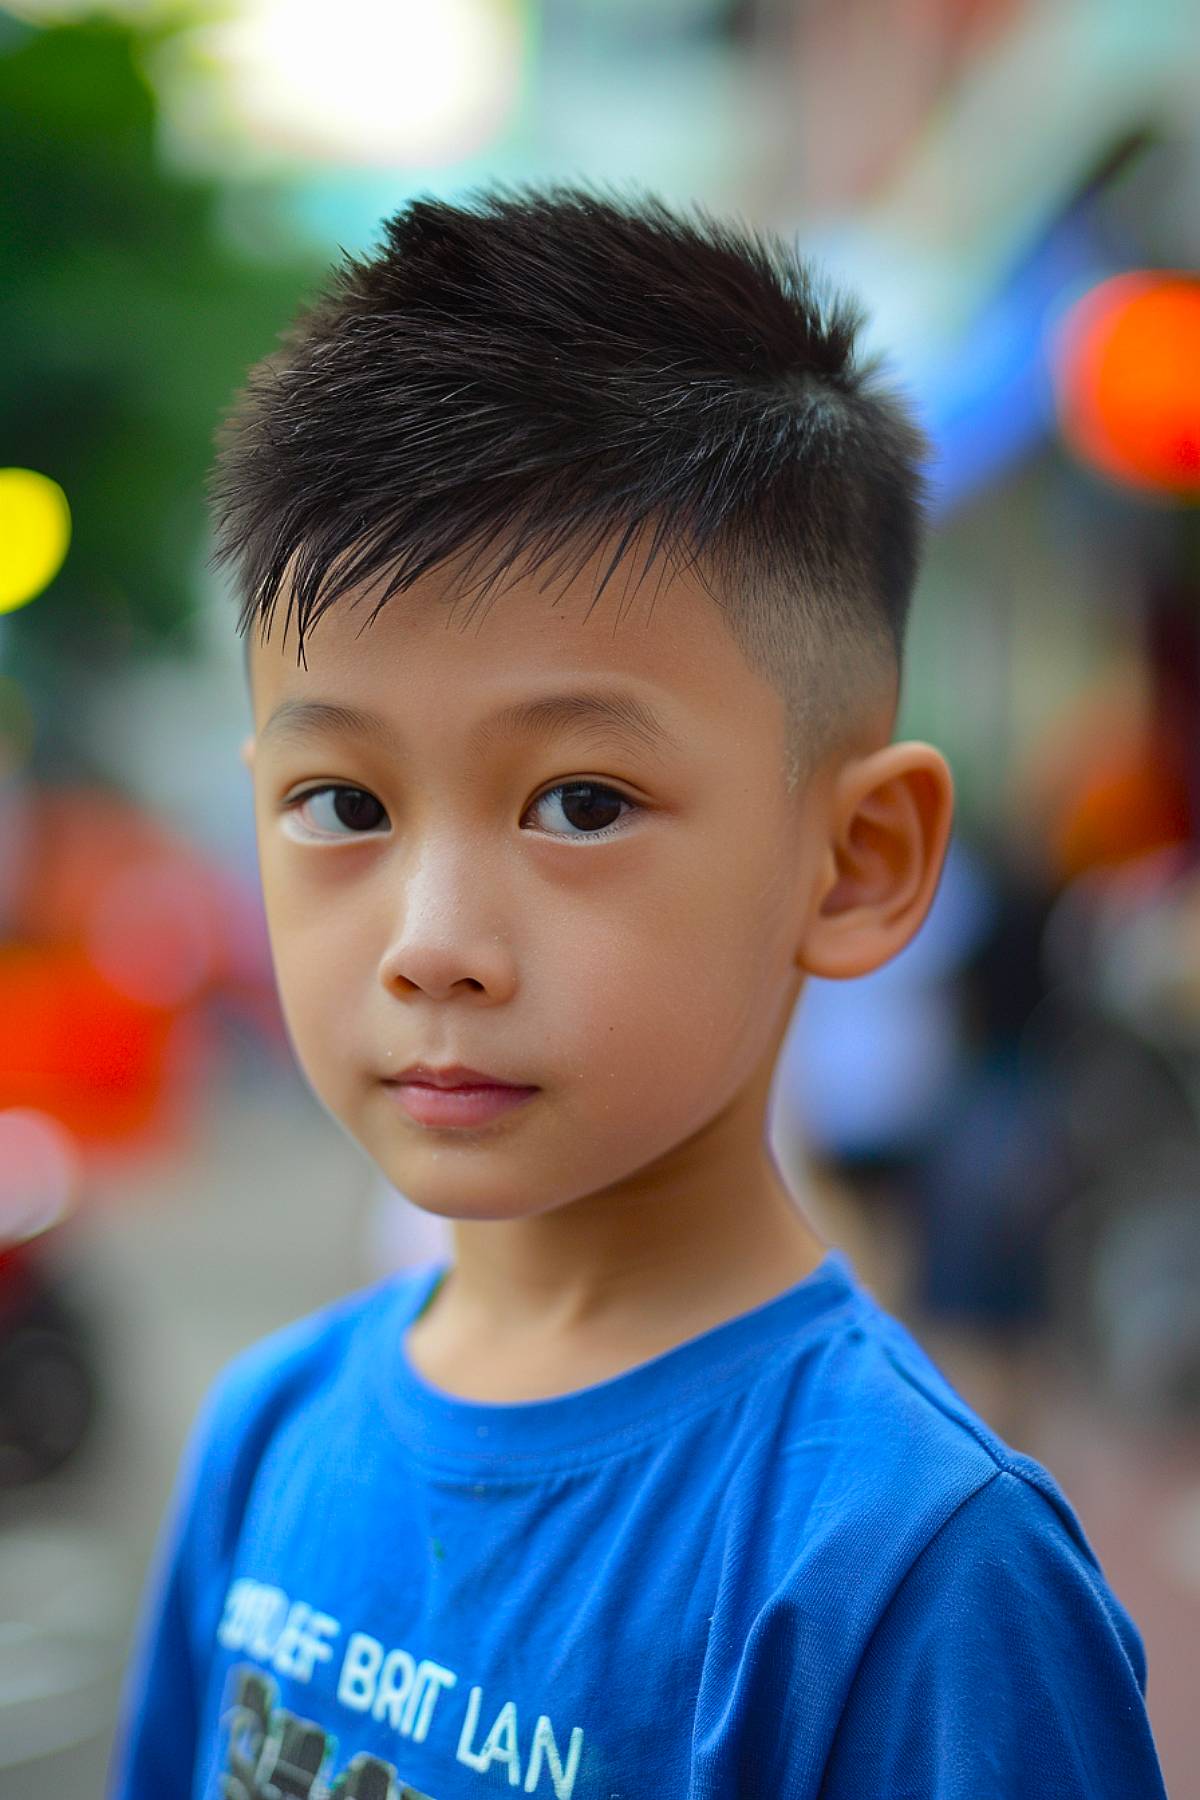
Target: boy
640,1494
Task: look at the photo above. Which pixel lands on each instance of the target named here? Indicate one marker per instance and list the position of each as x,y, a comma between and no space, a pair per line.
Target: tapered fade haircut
516,382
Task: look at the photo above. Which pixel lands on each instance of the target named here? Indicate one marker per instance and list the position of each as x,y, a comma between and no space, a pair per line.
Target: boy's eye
589,806
322,810
590,809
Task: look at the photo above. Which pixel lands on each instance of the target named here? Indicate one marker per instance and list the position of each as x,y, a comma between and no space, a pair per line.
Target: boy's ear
888,824
247,752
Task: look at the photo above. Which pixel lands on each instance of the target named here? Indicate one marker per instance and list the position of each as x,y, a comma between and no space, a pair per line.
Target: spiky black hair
531,376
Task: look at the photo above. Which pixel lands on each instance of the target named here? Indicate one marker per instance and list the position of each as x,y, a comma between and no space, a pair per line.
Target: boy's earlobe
247,752
889,824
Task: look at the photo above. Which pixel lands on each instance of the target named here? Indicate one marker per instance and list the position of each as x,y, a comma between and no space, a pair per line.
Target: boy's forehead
665,643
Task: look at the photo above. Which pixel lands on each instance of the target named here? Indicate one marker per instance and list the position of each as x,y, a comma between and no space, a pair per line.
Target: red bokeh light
1128,380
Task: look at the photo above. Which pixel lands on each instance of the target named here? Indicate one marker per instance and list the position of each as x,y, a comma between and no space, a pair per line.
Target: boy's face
466,912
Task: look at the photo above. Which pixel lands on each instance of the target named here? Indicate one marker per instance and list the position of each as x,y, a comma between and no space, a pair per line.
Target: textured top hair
531,375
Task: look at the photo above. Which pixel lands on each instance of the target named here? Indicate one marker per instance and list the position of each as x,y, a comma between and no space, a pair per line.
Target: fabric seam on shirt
914,1381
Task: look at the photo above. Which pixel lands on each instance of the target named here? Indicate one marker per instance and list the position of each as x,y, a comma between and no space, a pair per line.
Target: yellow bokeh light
35,529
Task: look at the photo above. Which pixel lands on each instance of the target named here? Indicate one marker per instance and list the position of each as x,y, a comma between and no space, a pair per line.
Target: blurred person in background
993,1169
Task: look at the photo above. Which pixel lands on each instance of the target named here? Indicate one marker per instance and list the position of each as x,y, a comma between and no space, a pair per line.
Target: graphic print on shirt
369,1683
273,1754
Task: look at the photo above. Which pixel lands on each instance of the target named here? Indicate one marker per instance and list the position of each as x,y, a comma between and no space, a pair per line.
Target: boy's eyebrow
610,710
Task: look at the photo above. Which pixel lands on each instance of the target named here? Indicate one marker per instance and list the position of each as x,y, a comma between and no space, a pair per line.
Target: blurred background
1002,1126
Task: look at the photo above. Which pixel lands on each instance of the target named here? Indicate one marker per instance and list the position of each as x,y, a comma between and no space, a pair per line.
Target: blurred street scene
1002,1126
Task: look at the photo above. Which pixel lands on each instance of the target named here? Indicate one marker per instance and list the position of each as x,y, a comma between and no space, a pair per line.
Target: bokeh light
1128,375
40,1173
74,1047
372,83
35,529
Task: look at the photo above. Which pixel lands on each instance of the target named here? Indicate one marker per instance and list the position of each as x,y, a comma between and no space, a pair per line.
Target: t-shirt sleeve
154,1750
1004,1666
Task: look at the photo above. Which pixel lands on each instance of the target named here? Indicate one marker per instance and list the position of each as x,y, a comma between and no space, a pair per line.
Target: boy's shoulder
895,1405
946,1578
287,1362
901,1518
906,1448
258,1387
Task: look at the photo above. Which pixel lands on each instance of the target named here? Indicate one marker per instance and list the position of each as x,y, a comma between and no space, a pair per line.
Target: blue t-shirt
782,1560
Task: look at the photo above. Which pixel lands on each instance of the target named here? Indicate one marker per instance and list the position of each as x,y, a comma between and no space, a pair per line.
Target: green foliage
126,323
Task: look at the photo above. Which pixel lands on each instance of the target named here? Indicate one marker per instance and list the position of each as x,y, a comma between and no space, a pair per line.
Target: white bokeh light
372,81
40,1173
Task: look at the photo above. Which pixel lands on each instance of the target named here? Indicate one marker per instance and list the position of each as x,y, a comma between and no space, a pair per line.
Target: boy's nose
439,970
443,941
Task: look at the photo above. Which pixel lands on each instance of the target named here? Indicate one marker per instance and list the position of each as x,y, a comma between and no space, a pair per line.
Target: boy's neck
540,1305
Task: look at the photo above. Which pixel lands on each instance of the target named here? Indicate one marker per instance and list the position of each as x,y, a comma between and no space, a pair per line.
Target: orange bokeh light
1128,380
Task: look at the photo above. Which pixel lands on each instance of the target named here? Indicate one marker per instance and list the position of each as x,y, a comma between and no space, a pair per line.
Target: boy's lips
452,1075
456,1095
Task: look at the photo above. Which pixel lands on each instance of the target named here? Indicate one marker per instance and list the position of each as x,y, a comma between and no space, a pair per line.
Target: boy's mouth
455,1096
